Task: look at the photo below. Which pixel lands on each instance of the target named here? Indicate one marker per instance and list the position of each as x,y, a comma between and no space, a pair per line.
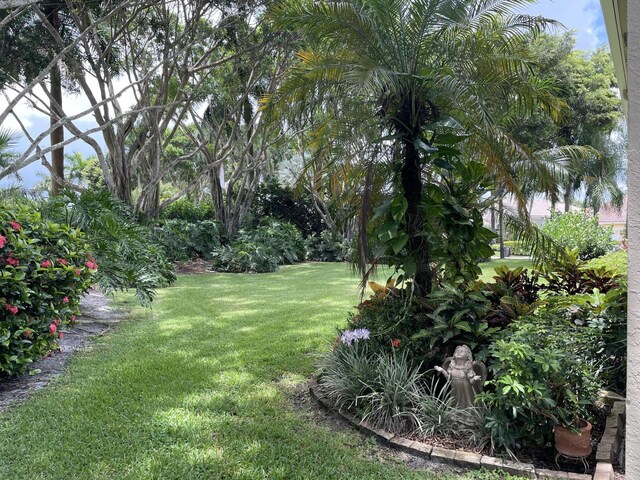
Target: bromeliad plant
44,270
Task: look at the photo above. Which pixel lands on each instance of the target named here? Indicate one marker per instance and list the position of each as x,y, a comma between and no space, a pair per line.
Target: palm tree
7,142
599,174
419,68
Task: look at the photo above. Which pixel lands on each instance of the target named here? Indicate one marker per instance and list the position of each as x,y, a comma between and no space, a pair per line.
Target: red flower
62,261
76,271
73,318
14,262
91,265
45,263
53,329
11,308
60,336
395,343
3,241
56,322
27,333
65,300
15,225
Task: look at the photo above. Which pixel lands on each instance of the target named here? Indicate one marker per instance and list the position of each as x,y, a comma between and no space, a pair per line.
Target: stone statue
466,376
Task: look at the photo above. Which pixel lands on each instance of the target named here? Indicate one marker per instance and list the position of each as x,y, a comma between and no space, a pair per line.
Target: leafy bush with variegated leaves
44,270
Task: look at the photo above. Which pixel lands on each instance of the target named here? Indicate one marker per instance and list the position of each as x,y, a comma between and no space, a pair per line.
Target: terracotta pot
574,444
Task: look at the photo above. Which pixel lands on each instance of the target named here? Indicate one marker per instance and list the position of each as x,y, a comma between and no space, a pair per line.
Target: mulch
193,267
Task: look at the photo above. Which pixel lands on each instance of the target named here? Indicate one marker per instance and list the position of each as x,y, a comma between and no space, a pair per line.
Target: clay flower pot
571,443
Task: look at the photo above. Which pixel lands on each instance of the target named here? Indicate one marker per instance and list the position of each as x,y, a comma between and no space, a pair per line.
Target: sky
583,16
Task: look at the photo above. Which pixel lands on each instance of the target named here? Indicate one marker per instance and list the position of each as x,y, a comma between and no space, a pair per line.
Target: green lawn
489,267
199,387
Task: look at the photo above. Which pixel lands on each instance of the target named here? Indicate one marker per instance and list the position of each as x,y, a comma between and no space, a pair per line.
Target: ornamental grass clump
394,393
383,388
44,270
345,374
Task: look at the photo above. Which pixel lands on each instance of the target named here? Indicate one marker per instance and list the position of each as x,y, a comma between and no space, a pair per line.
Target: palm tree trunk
417,245
501,224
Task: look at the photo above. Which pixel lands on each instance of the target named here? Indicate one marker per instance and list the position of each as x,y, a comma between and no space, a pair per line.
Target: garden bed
540,464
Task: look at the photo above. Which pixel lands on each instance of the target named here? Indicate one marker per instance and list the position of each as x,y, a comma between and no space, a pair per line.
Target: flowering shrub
44,269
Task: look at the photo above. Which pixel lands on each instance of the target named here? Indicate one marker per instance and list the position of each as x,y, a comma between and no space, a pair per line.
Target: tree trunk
568,194
149,199
501,224
121,176
217,198
57,135
417,245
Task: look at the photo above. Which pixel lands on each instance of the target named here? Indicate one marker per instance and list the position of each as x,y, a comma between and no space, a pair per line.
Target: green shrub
44,270
261,250
544,373
126,251
188,211
328,247
283,238
173,236
576,230
614,261
279,201
182,240
389,316
244,257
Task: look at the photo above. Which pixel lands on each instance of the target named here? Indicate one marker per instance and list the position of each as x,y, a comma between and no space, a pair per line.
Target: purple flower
350,336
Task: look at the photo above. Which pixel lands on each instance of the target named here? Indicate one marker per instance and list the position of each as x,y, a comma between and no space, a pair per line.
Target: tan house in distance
617,219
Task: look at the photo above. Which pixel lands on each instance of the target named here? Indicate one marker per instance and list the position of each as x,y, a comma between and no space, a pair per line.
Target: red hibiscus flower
56,322
395,343
15,225
3,241
53,329
45,263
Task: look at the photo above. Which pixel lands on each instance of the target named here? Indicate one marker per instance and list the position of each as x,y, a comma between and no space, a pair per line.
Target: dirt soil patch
195,266
96,318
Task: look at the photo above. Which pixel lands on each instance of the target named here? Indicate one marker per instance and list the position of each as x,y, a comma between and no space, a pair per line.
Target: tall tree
586,82
421,69
25,50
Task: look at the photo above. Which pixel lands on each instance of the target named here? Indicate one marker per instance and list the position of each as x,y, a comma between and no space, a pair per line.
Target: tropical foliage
44,270
580,231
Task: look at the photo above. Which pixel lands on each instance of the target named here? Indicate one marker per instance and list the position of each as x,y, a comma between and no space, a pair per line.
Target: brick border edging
609,445
459,458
